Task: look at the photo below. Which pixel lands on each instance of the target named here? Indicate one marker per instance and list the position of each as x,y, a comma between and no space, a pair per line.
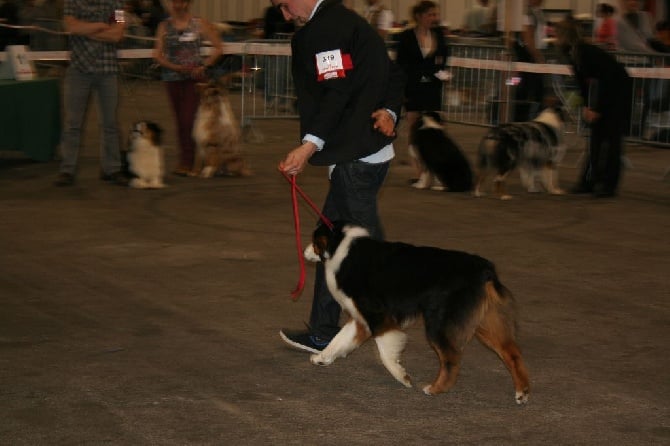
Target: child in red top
606,32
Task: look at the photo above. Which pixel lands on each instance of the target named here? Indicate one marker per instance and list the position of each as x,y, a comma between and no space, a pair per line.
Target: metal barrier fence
479,93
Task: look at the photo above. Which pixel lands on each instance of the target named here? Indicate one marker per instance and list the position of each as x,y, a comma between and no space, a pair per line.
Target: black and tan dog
535,147
384,286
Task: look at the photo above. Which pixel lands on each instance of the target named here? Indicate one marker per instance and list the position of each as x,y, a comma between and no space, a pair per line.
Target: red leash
295,190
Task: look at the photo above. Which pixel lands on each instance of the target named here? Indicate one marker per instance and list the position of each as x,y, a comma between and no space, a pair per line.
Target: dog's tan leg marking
391,345
211,163
550,180
500,189
350,336
197,162
497,333
478,192
450,364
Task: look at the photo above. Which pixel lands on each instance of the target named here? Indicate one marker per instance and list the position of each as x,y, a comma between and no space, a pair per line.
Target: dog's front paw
506,197
478,194
320,359
521,397
557,192
207,172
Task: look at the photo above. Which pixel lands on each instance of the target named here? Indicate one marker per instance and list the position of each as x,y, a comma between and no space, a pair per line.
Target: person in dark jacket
422,53
349,96
607,92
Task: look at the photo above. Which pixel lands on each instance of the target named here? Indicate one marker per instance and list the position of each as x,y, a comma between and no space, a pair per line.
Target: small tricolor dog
535,147
146,164
384,286
217,135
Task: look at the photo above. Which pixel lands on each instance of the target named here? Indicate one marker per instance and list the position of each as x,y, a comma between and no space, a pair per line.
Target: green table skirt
30,117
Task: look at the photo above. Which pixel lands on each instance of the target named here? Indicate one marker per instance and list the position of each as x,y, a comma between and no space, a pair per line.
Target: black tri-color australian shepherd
441,157
385,286
535,147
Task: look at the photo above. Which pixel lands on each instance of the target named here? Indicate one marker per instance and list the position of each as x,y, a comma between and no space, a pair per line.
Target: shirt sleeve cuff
318,142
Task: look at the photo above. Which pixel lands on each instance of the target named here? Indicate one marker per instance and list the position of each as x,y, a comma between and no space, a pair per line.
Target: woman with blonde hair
607,92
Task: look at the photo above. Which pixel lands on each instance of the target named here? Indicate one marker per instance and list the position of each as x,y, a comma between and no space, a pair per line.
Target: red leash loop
295,190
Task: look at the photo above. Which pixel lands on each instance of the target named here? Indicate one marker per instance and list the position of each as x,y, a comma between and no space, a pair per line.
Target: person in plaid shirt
95,27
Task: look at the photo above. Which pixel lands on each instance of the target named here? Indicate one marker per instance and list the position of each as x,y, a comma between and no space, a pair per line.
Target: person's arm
208,33
528,36
159,52
101,31
81,28
386,117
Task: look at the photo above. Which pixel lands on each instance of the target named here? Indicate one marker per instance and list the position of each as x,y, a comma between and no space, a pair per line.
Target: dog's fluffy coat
440,155
383,286
146,164
535,147
217,135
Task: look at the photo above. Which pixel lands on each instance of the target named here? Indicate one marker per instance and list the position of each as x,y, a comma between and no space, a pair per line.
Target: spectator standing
422,53
28,12
9,15
634,29
479,19
151,12
343,77
277,68
95,27
607,26
177,50
606,84
379,16
274,23
529,93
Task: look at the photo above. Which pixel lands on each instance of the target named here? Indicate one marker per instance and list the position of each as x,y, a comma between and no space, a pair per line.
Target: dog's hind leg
197,162
450,364
550,180
499,185
350,336
391,345
497,331
479,181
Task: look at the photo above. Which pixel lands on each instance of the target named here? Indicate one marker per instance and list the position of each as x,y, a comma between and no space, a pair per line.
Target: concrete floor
150,317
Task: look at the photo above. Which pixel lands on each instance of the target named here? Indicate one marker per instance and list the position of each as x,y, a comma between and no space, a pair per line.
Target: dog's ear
157,132
310,254
320,247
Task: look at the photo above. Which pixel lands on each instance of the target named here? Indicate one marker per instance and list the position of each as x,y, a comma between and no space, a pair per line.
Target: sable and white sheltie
146,164
535,147
384,286
445,165
217,135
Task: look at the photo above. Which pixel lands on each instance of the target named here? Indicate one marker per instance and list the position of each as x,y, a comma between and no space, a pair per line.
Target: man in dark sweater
349,97
607,90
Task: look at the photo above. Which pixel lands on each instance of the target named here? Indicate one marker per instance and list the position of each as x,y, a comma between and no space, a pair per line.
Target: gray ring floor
133,317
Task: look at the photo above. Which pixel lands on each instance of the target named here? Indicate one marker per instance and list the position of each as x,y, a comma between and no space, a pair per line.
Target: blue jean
352,197
78,89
